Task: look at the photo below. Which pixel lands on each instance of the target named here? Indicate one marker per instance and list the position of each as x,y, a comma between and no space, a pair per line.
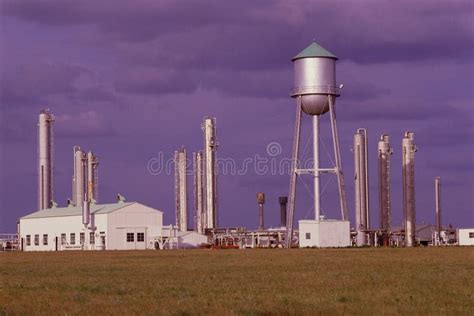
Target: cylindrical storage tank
79,176
314,79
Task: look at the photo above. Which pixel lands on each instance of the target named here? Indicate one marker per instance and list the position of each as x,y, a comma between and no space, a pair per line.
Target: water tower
315,92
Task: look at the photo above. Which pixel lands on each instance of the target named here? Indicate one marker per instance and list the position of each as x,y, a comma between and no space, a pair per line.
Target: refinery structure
85,224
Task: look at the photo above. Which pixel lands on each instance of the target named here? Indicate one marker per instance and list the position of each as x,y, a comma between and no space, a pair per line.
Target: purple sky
131,79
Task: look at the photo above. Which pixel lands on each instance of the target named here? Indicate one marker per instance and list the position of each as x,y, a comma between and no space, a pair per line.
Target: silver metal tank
314,79
86,212
361,179
92,166
408,167
45,159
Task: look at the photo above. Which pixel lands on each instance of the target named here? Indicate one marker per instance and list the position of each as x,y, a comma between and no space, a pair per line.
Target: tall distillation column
200,216
210,172
92,167
438,210
45,159
315,92
79,176
181,189
361,186
385,152
408,167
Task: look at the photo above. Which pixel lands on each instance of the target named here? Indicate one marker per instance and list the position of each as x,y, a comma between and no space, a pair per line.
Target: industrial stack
210,172
438,239
180,173
384,154
199,209
45,159
85,177
361,185
204,182
408,164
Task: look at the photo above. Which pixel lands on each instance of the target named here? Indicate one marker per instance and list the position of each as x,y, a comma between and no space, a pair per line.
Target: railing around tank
330,90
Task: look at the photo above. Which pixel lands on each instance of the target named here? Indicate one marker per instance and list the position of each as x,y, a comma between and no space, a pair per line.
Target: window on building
37,240
63,239
92,238
81,238
28,240
140,236
45,239
130,237
471,234
308,236
72,238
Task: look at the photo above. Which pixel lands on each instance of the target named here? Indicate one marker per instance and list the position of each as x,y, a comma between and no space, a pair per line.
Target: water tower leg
337,154
317,196
293,176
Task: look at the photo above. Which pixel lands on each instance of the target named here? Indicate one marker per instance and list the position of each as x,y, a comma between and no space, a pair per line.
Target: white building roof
77,211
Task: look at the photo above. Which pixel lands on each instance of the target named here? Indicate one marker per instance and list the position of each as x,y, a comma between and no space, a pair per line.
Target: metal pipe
317,195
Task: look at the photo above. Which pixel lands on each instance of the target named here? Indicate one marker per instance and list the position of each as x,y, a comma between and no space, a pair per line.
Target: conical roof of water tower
314,50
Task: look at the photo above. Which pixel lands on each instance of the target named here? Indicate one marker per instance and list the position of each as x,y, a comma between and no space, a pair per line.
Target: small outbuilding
465,236
324,233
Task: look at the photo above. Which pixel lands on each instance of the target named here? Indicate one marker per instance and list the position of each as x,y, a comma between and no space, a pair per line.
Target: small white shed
465,236
324,233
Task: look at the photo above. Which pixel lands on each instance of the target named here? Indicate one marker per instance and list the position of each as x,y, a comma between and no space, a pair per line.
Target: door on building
135,238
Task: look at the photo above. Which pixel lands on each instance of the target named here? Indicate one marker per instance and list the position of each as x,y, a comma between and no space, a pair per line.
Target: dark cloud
33,82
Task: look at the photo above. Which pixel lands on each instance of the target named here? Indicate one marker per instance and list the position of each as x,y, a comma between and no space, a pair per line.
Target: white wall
463,237
134,218
323,234
54,227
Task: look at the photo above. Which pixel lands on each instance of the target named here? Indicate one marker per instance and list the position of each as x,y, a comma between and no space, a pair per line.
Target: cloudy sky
132,81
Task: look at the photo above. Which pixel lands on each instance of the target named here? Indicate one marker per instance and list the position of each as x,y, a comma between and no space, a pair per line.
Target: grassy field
248,282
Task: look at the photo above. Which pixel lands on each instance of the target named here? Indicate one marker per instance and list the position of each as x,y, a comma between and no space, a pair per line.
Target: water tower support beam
337,155
317,197
293,177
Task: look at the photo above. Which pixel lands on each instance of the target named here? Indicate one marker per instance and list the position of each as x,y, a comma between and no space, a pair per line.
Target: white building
324,233
118,226
465,236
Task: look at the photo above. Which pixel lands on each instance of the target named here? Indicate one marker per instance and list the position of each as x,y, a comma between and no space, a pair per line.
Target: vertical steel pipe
408,167
45,159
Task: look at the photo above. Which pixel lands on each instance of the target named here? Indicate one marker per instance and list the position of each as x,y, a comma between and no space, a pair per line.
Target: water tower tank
314,79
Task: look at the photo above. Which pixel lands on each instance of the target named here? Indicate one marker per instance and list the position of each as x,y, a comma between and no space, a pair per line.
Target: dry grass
248,282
